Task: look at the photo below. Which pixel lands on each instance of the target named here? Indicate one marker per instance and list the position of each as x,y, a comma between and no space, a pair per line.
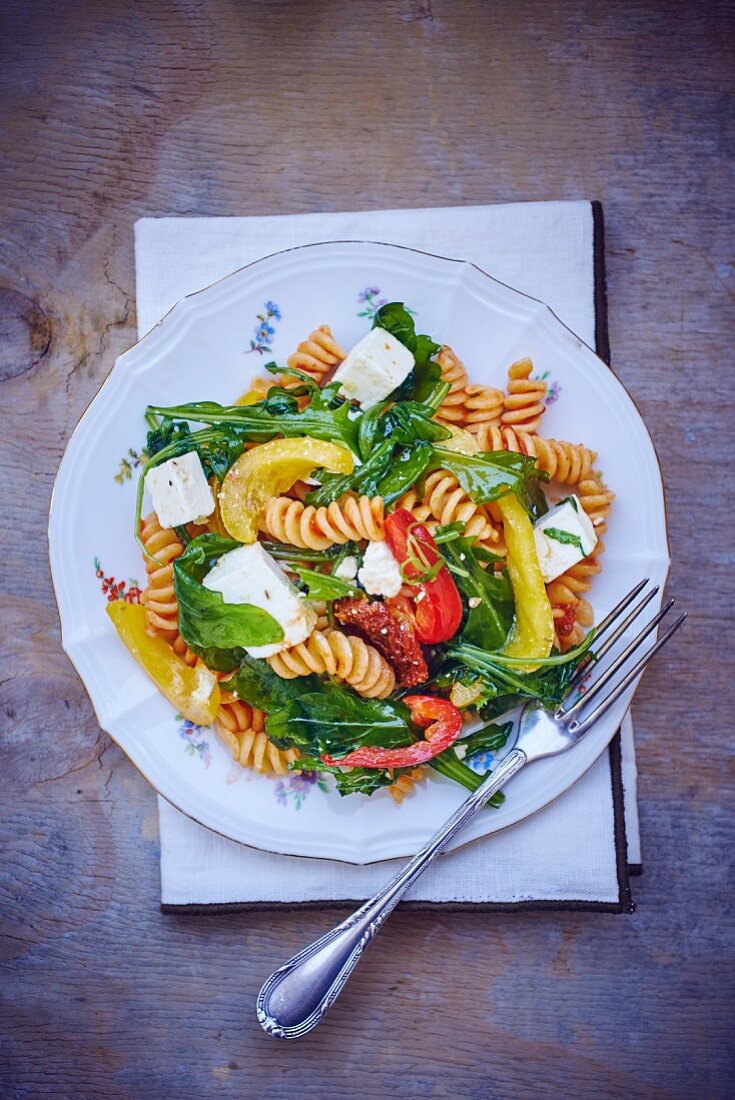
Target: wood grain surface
116,109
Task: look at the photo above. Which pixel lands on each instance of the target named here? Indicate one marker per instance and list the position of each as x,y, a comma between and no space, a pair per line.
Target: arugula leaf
217,448
322,586
205,620
448,763
257,683
363,479
395,319
292,372
388,473
283,551
488,739
335,720
278,414
488,622
489,476
168,433
409,421
352,780
505,681
408,464
566,537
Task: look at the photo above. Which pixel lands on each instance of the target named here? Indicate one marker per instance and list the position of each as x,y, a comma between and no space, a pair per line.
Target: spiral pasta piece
317,355
524,402
452,410
568,463
322,618
496,437
405,783
347,520
447,502
242,728
348,658
483,407
159,598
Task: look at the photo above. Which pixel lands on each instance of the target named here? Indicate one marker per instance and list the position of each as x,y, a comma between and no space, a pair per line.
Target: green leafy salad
339,572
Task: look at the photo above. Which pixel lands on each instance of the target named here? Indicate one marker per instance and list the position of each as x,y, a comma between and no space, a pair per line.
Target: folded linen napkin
573,854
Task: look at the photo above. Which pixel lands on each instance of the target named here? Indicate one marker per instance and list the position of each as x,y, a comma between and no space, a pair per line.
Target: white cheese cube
179,490
380,574
374,367
564,536
250,575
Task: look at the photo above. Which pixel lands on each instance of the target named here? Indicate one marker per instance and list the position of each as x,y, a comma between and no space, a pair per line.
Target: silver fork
298,995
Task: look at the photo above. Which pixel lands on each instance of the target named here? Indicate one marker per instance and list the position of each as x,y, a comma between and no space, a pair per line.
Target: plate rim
68,645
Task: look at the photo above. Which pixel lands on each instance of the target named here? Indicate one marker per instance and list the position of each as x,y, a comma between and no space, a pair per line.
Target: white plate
206,348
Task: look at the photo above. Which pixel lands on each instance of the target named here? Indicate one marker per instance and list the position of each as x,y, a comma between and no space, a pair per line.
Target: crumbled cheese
347,568
179,490
249,574
380,574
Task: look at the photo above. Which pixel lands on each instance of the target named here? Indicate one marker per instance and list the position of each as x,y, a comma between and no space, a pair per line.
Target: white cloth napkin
573,852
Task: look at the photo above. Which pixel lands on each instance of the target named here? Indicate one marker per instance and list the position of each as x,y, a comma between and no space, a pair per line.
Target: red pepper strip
437,602
443,724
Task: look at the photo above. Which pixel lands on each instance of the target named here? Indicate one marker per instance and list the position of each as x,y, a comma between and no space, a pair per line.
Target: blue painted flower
273,310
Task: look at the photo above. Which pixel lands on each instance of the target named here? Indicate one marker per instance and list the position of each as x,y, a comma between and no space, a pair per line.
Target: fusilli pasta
349,519
405,784
524,402
317,355
242,728
341,655
452,410
159,598
483,407
568,463
445,500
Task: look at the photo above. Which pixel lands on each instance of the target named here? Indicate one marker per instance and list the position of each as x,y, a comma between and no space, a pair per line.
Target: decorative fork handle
299,994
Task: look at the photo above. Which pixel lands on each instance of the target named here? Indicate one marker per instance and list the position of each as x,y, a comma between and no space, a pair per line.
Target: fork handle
299,994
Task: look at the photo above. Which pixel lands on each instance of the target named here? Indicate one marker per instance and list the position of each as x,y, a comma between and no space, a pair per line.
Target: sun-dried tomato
391,631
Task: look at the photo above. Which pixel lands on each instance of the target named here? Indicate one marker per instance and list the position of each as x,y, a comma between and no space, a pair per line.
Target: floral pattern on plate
294,790
264,332
128,590
196,744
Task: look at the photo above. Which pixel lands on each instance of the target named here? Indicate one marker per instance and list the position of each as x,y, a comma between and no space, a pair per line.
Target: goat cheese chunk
347,569
564,536
250,575
374,368
179,490
380,574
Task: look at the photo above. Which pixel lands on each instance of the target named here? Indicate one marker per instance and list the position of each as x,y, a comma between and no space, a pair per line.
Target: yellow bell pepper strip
532,634
252,397
269,470
193,691
460,440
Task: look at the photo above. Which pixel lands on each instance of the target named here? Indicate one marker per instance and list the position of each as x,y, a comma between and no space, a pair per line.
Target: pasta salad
365,562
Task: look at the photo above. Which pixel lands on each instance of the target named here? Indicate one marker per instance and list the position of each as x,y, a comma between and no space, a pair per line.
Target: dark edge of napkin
625,903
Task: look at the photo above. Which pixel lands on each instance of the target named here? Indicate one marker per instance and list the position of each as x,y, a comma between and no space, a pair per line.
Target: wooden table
113,110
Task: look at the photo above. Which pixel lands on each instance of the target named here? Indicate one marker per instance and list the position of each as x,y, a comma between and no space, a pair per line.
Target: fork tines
570,714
